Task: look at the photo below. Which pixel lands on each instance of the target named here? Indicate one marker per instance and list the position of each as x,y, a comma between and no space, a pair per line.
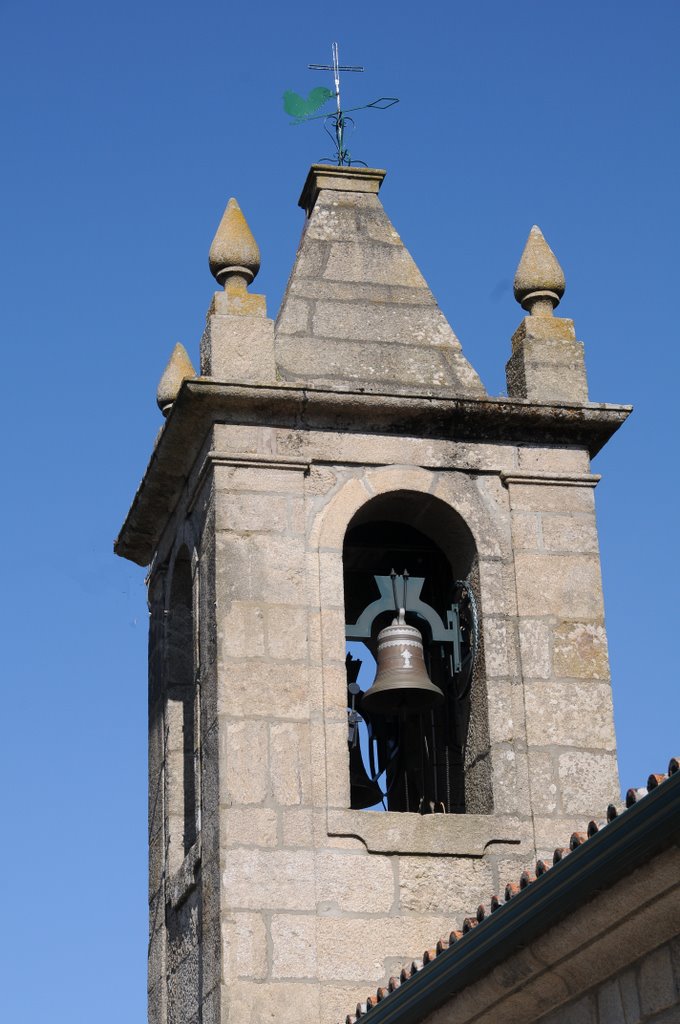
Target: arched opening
181,742
411,550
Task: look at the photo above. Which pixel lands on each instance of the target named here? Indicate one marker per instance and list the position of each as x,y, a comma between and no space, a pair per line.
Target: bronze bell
402,685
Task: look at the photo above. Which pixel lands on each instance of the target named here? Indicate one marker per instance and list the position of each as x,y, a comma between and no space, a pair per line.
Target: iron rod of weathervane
406,579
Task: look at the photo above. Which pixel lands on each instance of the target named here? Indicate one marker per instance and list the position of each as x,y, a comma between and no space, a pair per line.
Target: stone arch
456,489
440,547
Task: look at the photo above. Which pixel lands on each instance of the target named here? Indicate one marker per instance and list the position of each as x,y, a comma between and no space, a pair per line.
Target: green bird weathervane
303,110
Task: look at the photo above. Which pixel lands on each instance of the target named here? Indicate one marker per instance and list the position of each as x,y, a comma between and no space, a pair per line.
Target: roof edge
645,829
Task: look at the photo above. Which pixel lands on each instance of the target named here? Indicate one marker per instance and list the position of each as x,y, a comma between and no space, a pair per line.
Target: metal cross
336,68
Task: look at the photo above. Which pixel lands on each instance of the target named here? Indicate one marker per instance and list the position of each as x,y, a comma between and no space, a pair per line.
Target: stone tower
310,455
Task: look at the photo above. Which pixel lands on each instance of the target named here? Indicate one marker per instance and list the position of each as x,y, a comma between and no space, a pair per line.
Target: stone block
510,781
286,632
330,753
332,222
553,460
297,515
452,885
261,687
534,643
238,349
610,1004
244,777
569,533
248,826
398,478
566,586
289,756
495,590
505,711
283,1002
630,997
269,880
656,982
184,990
355,291
231,479
331,524
356,950
547,367
496,647
543,782
580,650
232,438
253,567
373,365
374,264
526,531
249,513
583,1011
297,828
509,867
320,480
331,588
354,882
339,1000
333,648
476,504
569,715
555,831
390,324
446,835
549,497
543,329
241,631
293,946
298,315
244,947
588,781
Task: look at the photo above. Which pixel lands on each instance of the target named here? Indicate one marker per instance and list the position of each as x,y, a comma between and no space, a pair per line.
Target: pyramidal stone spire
357,312
539,279
179,368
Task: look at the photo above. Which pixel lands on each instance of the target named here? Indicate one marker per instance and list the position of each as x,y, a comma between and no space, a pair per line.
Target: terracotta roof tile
527,879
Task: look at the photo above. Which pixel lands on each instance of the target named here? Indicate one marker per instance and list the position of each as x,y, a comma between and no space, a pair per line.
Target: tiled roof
527,878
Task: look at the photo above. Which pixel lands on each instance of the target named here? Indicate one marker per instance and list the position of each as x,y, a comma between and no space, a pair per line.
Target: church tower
336,486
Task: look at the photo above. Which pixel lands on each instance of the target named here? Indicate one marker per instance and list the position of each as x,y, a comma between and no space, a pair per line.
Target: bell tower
324,474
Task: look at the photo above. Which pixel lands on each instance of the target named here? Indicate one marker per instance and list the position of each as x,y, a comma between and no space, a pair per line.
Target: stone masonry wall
319,903
646,993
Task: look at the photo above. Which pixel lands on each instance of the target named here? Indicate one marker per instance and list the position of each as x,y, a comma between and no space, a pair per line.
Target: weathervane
302,109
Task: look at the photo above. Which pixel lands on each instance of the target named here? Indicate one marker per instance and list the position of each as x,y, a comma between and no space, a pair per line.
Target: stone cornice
203,402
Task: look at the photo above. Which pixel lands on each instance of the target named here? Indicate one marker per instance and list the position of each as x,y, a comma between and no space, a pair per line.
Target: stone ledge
529,476
341,179
446,835
202,402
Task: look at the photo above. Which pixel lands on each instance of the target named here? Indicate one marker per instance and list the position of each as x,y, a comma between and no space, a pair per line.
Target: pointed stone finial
539,279
234,255
179,368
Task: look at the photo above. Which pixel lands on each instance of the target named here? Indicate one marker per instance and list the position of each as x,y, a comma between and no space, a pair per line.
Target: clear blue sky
126,127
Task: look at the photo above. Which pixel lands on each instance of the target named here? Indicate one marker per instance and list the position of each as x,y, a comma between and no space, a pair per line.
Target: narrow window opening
181,716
